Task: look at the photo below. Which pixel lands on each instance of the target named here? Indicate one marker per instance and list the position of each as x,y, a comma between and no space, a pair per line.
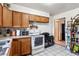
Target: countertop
12,37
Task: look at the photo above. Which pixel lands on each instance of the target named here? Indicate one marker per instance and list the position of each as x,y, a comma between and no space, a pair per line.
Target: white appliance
37,43
17,32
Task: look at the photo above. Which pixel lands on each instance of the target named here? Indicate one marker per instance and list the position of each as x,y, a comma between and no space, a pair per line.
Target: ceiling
52,8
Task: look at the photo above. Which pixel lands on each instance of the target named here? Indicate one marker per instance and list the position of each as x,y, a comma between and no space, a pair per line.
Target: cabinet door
25,20
25,46
44,19
34,18
15,47
7,17
17,17
0,15
37,18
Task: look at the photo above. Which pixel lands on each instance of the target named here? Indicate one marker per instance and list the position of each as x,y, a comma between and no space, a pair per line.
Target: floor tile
55,50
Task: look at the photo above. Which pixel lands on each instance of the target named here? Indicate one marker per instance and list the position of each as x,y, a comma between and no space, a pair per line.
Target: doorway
59,31
63,32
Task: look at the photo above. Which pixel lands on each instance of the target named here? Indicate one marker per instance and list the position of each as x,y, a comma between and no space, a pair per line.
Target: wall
68,16
27,10
44,27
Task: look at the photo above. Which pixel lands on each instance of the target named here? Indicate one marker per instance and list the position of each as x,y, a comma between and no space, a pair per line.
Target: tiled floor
55,50
62,43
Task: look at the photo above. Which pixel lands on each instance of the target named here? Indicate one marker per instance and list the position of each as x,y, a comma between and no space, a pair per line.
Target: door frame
58,26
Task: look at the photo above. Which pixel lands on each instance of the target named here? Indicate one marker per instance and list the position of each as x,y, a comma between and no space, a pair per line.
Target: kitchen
15,39
39,29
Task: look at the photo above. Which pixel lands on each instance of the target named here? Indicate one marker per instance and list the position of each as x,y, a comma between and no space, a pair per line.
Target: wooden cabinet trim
1,14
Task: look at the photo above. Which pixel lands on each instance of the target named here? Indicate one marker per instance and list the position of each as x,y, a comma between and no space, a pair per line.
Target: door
56,30
0,15
7,17
59,31
25,46
38,41
25,20
17,18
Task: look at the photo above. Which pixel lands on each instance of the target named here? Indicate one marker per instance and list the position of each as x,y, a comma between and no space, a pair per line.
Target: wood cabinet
40,19
20,46
34,18
25,20
10,18
7,17
17,18
44,19
25,46
15,48
0,15
37,18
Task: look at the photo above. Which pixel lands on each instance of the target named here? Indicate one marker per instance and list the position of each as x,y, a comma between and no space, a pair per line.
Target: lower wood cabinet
15,48
25,46
20,47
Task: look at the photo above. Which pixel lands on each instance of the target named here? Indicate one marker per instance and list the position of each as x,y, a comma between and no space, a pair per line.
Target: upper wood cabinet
34,18
17,18
40,19
7,17
37,18
0,15
25,20
44,19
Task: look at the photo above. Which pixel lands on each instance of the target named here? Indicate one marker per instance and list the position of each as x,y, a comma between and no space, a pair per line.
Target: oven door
37,41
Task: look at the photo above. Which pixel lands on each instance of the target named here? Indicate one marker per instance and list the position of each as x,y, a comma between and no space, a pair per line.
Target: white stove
37,43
